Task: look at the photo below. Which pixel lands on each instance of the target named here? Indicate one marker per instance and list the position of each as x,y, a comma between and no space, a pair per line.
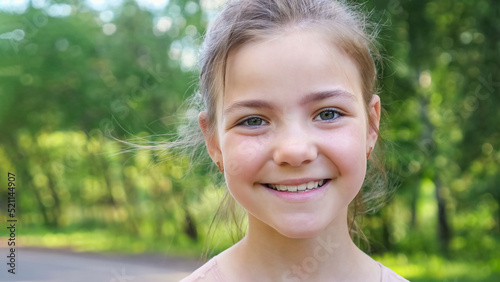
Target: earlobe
211,140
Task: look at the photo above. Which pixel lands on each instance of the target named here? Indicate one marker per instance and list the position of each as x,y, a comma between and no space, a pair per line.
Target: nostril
294,156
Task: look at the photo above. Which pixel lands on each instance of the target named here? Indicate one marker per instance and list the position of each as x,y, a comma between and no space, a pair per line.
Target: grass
107,241
430,268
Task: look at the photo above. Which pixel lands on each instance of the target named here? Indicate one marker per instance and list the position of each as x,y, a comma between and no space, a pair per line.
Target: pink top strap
390,276
208,272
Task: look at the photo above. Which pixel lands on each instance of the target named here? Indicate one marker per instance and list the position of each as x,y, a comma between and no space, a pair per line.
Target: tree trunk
190,226
56,210
443,226
413,207
24,174
46,220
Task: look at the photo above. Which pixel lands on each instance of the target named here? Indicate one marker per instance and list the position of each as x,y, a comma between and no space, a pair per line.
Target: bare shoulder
209,272
388,275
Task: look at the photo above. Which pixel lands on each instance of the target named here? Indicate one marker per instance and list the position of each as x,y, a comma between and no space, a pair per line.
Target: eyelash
242,123
245,121
334,111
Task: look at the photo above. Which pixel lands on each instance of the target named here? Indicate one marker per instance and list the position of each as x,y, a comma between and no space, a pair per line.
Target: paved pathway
55,265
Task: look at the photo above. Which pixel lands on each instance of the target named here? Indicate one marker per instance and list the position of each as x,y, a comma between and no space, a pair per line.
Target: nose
295,147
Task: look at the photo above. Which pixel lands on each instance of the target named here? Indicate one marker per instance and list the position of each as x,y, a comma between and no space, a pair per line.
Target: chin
300,230
304,234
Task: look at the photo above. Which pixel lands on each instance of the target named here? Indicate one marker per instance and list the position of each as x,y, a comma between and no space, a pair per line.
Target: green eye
328,115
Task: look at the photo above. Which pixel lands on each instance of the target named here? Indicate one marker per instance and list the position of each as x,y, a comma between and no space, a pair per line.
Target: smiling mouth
311,185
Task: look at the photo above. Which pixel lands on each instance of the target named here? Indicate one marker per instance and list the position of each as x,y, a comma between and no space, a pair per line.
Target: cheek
346,149
242,155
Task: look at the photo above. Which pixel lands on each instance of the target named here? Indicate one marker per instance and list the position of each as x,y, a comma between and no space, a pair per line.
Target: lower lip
304,196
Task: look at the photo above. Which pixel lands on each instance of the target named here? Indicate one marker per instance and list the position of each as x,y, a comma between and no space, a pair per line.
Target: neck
331,253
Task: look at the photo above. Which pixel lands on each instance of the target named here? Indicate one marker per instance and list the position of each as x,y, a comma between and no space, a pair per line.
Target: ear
211,140
374,109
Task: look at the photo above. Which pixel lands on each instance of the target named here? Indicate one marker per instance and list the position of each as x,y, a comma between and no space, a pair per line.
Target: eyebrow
255,104
310,98
322,95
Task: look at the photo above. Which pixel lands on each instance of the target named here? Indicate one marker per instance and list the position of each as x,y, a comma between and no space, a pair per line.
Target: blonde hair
244,21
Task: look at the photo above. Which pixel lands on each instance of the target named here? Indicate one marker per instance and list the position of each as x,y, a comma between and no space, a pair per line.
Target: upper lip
296,181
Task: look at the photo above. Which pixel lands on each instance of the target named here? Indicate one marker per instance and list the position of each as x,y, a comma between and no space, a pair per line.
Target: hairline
313,26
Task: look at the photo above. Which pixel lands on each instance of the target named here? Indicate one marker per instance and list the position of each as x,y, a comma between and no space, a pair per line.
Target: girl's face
292,132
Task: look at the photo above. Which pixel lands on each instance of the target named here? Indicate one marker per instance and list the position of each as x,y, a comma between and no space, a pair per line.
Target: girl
291,117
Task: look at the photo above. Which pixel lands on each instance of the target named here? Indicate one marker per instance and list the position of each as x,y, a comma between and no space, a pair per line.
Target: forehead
299,61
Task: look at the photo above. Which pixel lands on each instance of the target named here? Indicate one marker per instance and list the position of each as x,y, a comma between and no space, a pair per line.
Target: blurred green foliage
72,76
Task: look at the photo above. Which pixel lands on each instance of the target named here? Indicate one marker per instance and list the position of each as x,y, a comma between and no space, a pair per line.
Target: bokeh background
79,77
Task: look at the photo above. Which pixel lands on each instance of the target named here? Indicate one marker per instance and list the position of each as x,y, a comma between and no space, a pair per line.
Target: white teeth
294,188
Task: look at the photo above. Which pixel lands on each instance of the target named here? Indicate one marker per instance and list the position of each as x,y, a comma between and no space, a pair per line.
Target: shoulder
390,276
209,272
